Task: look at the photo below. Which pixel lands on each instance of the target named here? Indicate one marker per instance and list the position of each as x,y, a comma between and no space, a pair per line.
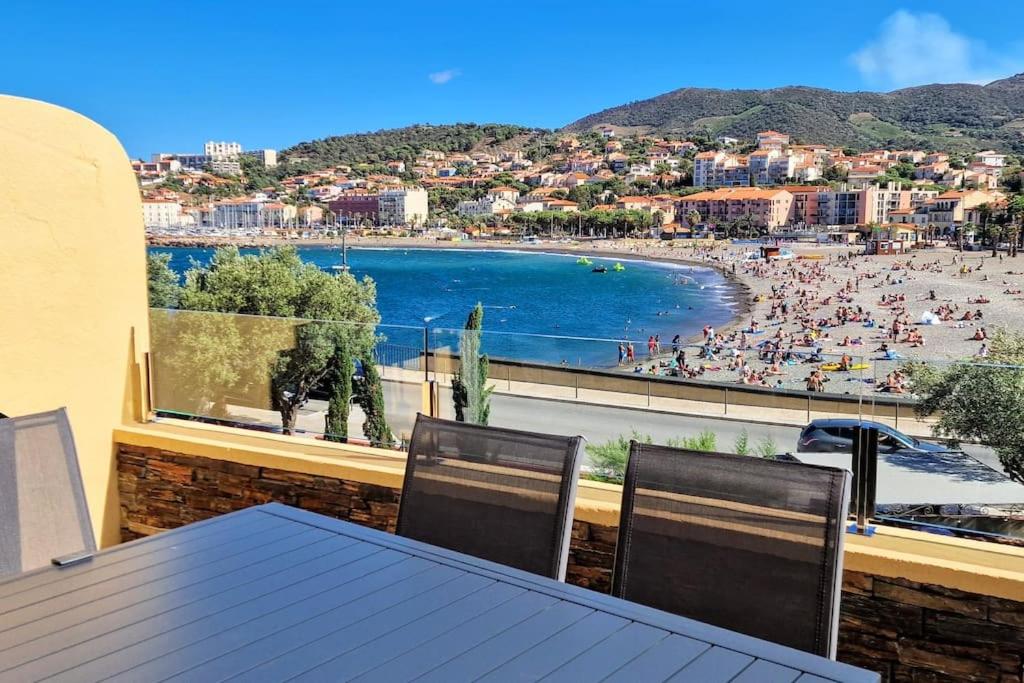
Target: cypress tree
371,400
336,427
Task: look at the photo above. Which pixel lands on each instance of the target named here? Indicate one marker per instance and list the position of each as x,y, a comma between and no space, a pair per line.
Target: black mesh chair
43,513
743,543
498,494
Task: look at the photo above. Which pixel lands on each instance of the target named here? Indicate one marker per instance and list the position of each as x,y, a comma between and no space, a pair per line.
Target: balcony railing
276,374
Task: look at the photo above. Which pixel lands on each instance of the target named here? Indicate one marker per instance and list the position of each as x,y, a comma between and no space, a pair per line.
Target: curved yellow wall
73,309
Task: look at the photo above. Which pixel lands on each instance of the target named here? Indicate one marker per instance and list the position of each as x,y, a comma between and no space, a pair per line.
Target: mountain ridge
936,115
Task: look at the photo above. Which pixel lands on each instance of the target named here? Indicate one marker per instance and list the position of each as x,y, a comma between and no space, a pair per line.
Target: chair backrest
740,542
498,494
43,513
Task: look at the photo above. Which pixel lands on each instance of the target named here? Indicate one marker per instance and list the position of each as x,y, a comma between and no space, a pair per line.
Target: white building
486,206
403,206
159,213
224,166
991,158
222,150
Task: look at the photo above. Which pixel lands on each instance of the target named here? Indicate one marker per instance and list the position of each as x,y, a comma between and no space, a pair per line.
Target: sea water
537,306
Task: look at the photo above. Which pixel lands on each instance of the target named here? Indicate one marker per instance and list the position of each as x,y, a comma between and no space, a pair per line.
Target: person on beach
630,353
675,344
622,353
650,346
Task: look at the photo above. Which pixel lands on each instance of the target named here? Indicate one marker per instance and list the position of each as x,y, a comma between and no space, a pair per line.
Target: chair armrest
73,558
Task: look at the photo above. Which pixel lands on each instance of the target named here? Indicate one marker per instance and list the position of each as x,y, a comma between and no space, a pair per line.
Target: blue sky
165,76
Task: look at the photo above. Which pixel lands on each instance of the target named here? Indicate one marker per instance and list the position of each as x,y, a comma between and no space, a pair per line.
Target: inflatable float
833,367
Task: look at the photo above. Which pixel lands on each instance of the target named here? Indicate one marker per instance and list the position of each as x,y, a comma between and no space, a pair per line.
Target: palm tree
1015,213
693,217
985,213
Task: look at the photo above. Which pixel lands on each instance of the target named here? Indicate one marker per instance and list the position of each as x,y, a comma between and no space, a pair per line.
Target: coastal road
947,479
600,423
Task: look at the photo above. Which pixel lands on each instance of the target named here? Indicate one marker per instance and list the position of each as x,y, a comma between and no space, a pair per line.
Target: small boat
584,261
599,269
618,267
341,268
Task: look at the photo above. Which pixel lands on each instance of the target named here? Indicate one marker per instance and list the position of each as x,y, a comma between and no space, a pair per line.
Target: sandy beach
807,305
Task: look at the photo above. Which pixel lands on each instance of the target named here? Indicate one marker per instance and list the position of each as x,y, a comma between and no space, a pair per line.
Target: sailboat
343,266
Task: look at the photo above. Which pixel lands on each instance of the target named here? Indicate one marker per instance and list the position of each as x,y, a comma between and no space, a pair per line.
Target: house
563,205
505,192
617,161
991,158
893,238
772,139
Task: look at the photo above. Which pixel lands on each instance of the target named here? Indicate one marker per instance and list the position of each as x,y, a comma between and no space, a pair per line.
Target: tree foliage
339,381
370,397
969,117
982,402
470,393
403,143
163,282
294,324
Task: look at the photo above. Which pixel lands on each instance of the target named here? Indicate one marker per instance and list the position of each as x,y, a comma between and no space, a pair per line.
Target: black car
836,436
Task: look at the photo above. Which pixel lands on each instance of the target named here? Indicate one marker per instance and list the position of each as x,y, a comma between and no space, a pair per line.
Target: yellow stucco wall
73,309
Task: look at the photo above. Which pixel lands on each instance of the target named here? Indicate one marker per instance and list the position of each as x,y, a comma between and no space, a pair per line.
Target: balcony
160,443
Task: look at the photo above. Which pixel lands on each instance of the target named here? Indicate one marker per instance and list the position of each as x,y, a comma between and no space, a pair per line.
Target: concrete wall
73,280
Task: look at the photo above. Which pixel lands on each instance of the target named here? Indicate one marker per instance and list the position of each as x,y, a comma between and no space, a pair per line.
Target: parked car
835,435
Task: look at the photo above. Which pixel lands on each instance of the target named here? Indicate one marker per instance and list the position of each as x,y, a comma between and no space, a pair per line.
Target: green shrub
742,445
766,448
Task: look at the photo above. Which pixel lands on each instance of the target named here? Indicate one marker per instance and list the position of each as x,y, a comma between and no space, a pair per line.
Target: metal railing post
865,477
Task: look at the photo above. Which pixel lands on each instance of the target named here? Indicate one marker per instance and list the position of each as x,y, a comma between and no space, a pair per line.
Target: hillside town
606,182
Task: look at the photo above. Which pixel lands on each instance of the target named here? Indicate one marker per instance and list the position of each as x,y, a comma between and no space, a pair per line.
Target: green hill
407,143
954,116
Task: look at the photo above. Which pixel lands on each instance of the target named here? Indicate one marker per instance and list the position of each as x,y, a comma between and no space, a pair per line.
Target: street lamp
430,398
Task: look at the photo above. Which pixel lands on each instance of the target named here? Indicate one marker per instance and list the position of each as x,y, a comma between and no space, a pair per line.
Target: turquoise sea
538,307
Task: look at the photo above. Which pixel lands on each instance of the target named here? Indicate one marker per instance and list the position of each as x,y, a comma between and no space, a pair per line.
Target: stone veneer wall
905,630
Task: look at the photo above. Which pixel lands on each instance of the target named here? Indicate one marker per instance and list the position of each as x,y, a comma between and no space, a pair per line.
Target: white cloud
922,48
442,77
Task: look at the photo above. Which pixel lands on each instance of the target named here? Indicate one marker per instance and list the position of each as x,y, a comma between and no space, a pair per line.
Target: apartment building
485,206
949,209
161,213
403,206
766,208
719,169
238,213
355,206
266,157
222,150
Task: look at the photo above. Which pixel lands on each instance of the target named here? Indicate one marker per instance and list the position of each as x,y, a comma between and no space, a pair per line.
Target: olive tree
979,401
293,326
